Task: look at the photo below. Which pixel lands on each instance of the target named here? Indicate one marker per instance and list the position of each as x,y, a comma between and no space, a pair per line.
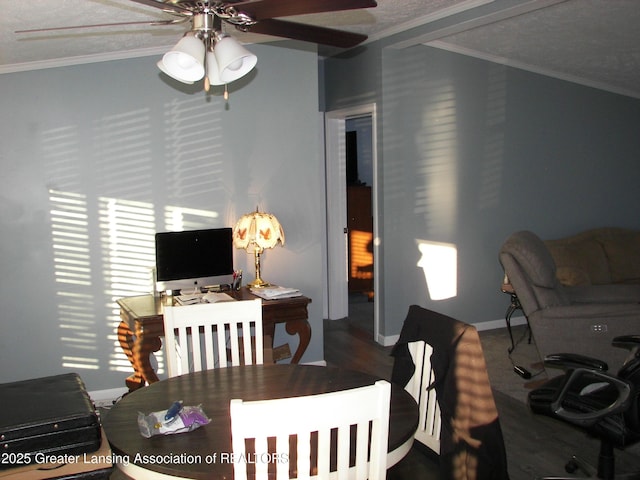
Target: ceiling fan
205,51
257,16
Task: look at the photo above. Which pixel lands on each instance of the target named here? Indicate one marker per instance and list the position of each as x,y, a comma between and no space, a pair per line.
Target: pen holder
237,280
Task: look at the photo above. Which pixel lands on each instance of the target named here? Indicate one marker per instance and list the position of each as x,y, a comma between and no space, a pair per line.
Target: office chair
603,405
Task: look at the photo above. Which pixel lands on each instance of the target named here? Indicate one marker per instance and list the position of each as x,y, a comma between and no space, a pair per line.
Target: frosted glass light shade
166,72
185,61
234,61
212,69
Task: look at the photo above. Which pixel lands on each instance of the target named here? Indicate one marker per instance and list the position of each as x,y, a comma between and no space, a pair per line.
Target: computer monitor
194,259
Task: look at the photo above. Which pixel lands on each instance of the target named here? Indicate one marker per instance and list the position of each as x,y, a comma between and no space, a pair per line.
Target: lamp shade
234,61
185,61
257,231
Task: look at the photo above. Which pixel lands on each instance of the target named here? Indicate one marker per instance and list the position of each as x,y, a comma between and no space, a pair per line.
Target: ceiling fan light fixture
185,61
234,61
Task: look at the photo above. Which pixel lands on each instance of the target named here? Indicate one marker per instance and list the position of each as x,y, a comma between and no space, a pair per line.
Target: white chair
210,335
429,425
366,408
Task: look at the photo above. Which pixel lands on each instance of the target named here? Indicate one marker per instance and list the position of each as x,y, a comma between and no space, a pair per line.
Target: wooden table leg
301,328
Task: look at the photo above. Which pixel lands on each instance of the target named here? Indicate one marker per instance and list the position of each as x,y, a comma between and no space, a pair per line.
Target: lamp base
258,283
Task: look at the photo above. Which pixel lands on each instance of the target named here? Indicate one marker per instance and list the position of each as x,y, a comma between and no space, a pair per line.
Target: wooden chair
360,417
430,422
210,335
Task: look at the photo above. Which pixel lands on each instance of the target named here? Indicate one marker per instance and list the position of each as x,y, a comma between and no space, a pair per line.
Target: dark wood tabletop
199,454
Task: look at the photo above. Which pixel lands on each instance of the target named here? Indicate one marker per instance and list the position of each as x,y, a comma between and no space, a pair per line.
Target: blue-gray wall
96,158
470,151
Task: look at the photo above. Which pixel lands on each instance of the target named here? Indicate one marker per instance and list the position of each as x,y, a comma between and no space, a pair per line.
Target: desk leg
268,331
144,346
126,339
303,330
138,349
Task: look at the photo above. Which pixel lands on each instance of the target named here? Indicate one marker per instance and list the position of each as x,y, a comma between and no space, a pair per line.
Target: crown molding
84,59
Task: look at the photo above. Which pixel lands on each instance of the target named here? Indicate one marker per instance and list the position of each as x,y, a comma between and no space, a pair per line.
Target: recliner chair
579,319
604,405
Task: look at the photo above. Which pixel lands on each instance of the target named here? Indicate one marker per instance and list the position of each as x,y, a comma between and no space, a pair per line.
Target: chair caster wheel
571,467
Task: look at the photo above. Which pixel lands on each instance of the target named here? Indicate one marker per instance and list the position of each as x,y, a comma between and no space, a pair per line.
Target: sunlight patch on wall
72,271
439,261
128,249
127,231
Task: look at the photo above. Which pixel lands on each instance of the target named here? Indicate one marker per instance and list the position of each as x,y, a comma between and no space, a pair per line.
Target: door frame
336,180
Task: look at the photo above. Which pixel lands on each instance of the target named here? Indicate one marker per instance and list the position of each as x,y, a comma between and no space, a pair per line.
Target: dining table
206,452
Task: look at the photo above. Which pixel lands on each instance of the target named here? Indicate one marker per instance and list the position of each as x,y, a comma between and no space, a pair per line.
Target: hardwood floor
536,445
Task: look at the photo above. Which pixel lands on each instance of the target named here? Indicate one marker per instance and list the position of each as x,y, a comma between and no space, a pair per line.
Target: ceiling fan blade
263,9
307,33
166,6
77,27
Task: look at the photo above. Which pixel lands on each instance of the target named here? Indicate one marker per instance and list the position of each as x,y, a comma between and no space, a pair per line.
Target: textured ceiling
594,42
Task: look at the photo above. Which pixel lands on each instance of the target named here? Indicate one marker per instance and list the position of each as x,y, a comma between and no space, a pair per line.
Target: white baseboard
486,325
494,324
321,363
388,341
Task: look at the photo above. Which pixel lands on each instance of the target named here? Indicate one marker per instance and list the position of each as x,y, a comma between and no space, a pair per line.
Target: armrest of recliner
592,416
569,361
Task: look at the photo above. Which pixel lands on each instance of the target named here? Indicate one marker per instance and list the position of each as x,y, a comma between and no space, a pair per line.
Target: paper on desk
211,297
275,292
188,299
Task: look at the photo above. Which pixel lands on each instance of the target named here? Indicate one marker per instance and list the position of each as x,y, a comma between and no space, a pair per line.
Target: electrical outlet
599,328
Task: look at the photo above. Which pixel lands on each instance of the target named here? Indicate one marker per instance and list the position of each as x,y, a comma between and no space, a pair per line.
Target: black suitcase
46,417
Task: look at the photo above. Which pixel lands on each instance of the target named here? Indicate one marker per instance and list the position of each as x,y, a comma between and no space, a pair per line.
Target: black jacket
471,442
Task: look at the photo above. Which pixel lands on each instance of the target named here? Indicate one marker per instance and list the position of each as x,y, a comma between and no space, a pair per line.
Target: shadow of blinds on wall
72,263
127,232
194,155
179,218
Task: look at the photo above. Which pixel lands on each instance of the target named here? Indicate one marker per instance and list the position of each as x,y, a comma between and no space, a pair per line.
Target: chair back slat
359,455
430,423
207,336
